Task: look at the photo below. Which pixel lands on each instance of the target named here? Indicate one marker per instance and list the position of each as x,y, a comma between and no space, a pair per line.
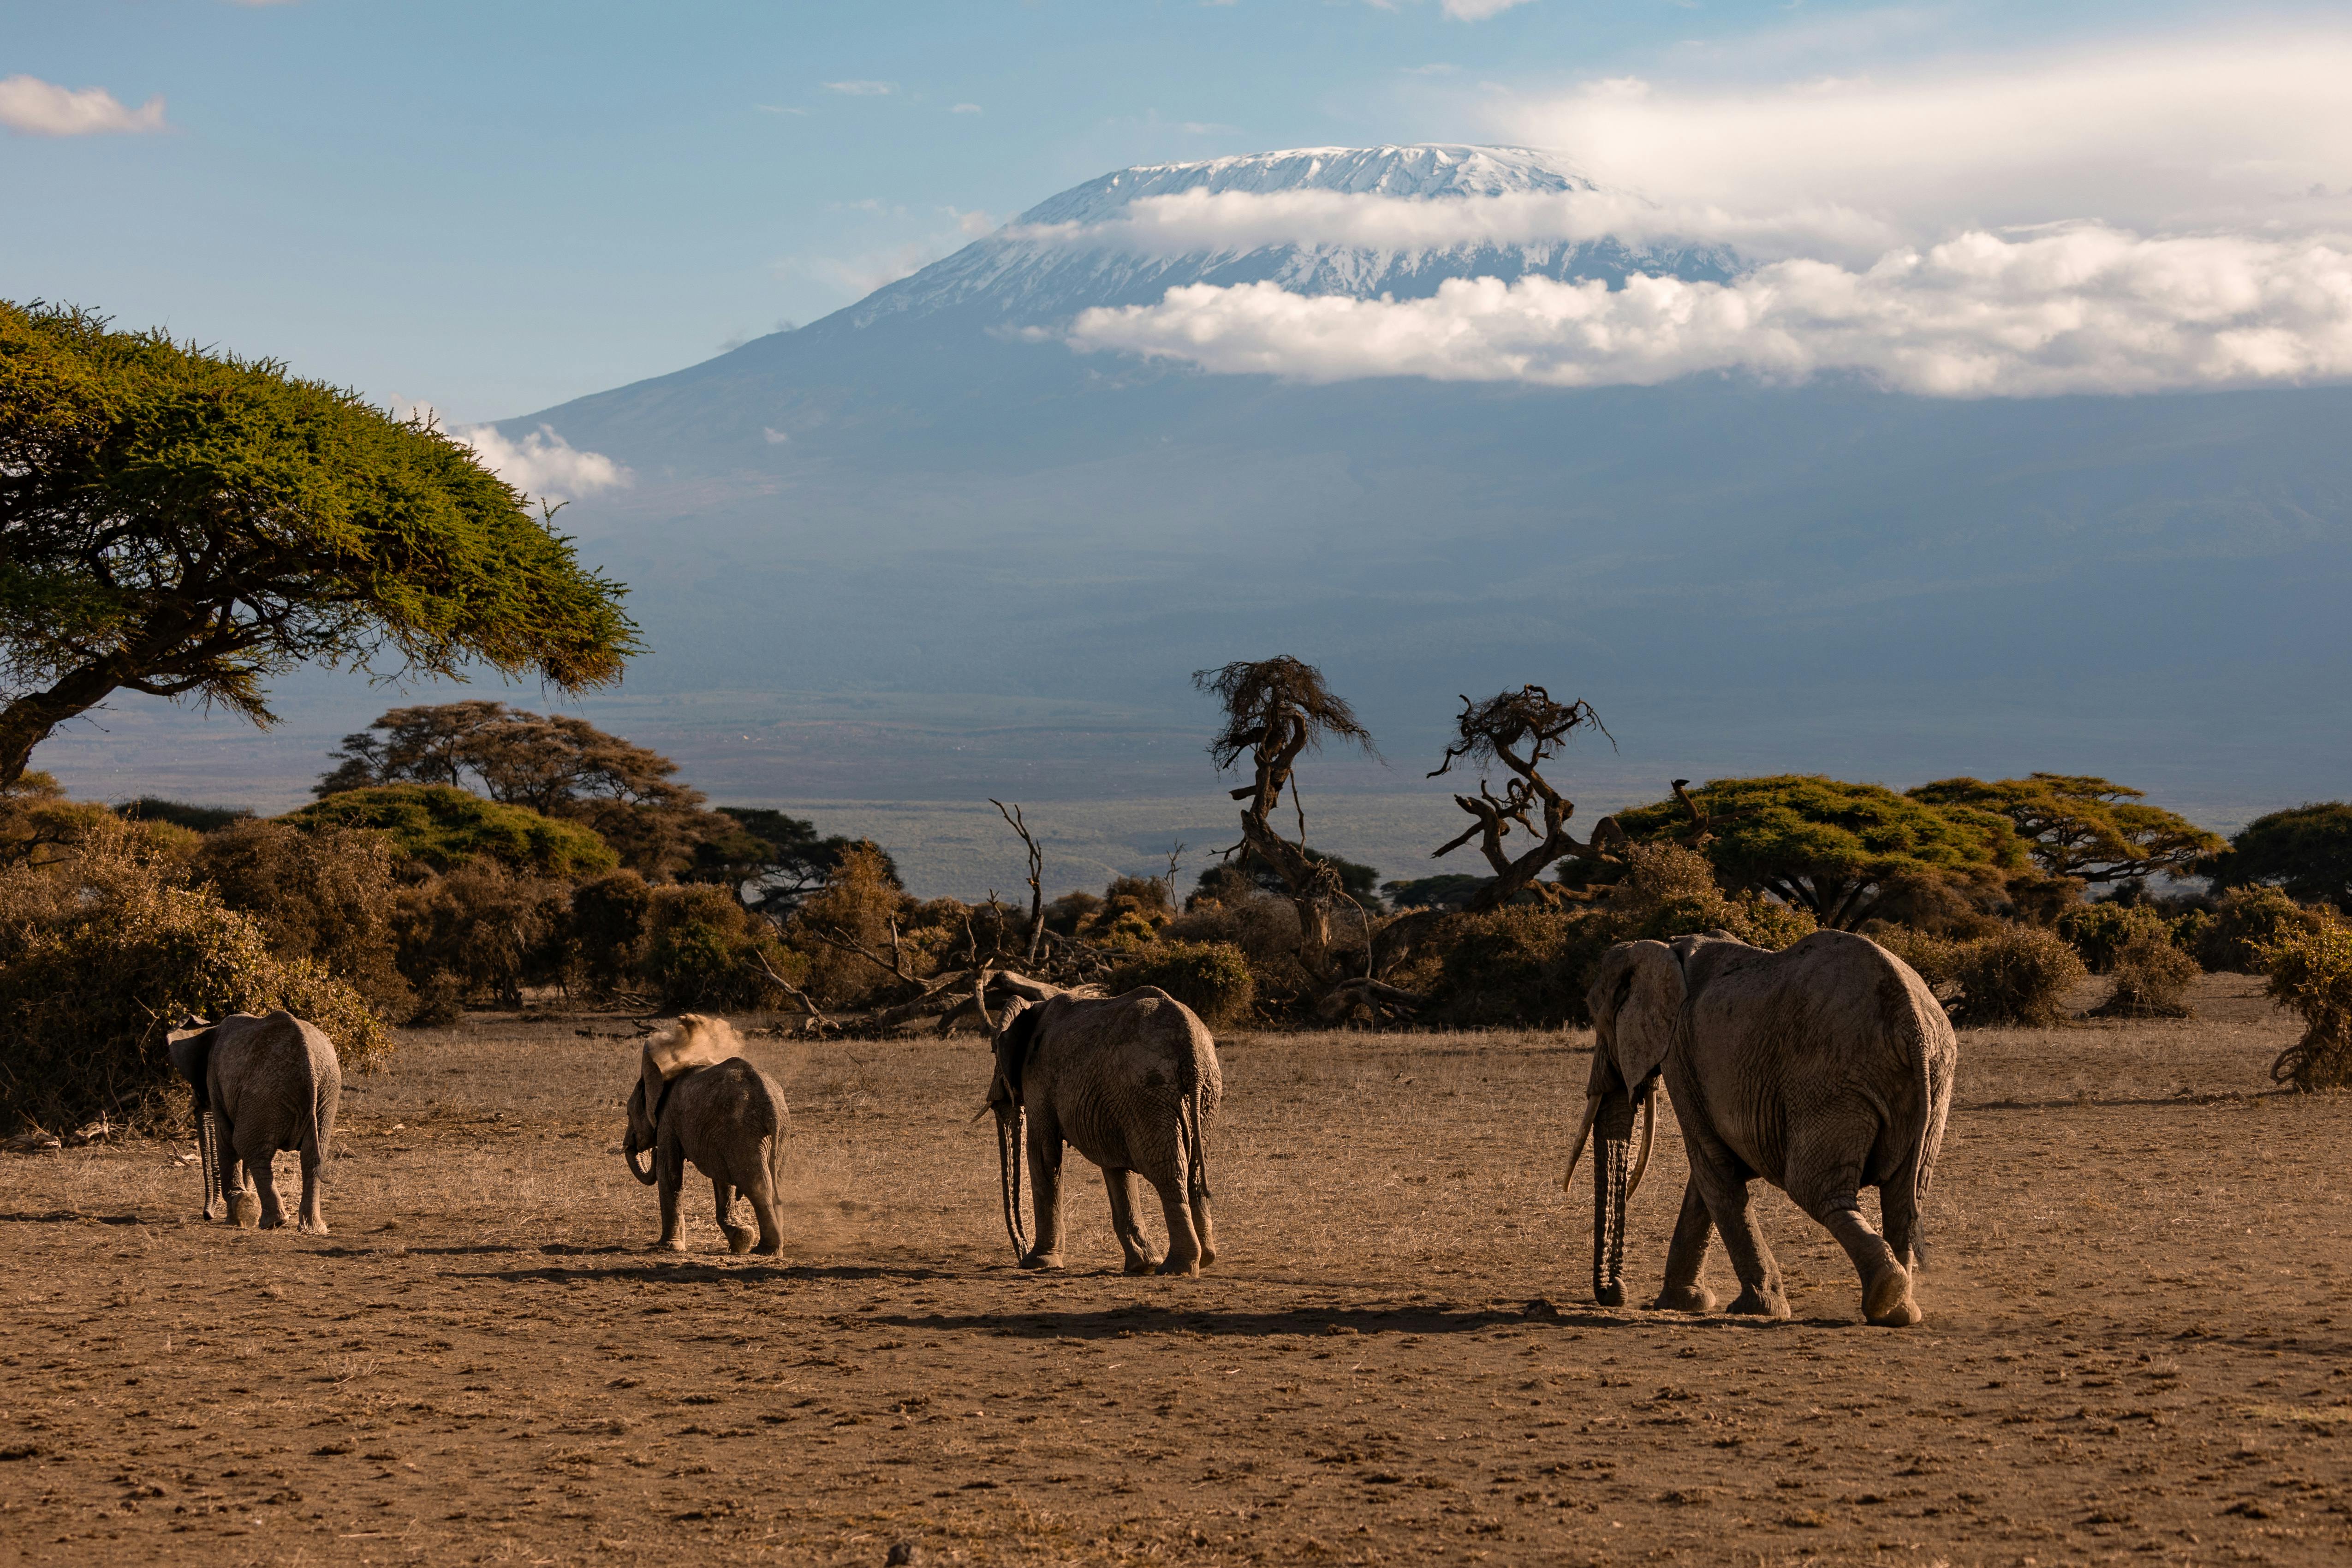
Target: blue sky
498,204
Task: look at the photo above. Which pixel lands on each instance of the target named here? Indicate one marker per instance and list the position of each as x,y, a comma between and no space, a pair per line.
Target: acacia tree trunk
28,720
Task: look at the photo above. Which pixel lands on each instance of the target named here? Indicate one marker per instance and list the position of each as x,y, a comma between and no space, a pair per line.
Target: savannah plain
2139,1344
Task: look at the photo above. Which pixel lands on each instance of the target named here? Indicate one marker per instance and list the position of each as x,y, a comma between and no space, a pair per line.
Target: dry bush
481,933
2100,931
1935,959
327,896
2152,978
859,901
2018,976
608,931
1264,928
1518,964
2310,971
104,952
1213,978
1669,892
2247,922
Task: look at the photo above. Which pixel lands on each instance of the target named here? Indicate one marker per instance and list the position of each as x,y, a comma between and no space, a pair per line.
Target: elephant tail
320,1136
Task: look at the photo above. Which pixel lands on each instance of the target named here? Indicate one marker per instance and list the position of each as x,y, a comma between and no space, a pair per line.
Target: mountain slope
916,497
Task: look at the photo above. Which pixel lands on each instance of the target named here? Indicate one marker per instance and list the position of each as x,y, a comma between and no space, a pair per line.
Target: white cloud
37,108
1477,10
862,89
542,465
2223,129
779,109
2084,309
966,109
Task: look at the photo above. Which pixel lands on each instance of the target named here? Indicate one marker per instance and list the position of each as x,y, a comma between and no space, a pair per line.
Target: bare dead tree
1522,730
1277,709
1036,873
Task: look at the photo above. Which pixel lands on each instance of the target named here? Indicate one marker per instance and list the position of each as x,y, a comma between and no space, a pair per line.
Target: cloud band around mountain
2083,308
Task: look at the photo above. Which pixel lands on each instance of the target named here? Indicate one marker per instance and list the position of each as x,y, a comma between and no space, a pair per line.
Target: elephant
1823,1068
696,1099
261,1084
1131,1082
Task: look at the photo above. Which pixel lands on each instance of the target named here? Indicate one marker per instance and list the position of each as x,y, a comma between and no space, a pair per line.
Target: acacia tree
2081,826
1275,708
186,523
2305,849
1836,848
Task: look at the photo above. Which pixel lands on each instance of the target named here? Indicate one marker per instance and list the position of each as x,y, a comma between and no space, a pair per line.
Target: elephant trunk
630,1150
1011,1136
1611,1186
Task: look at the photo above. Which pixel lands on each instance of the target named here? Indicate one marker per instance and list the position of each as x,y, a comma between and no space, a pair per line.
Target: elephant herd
1823,1069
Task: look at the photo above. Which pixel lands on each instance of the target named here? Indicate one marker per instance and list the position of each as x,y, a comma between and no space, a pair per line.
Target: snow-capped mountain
1074,250
931,496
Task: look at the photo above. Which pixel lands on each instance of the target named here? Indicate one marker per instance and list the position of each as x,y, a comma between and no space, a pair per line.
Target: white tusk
1591,1110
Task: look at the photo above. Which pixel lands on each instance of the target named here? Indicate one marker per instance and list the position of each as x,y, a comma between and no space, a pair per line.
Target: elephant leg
1693,1231
259,1165
312,1221
1046,1193
1723,1184
1132,1242
241,1208
738,1237
1186,1253
762,1195
669,1175
1206,1226
1827,1188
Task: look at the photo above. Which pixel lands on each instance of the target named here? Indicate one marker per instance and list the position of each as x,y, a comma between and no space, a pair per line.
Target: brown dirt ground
2138,1347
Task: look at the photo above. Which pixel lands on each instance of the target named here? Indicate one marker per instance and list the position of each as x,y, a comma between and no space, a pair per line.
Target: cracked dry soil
2139,1346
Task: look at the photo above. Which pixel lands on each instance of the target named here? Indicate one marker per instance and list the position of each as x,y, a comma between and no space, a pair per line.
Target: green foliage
185,523
442,828
2245,923
859,904
777,859
103,952
329,896
703,950
2310,971
2083,828
1450,890
608,930
2307,852
480,932
1833,848
2020,976
1213,978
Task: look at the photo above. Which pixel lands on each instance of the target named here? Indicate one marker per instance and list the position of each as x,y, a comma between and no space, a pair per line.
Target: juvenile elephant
261,1084
1822,1068
696,1099
1132,1083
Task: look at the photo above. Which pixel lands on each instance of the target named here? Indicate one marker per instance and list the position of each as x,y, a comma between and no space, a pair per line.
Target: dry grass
2133,1347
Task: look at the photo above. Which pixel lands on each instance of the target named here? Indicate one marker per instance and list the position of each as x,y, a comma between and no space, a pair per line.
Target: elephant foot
1042,1260
1186,1266
1685,1298
769,1249
1752,1302
1609,1295
738,1240
667,1244
245,1211
1888,1304
312,1226
1140,1265
1208,1256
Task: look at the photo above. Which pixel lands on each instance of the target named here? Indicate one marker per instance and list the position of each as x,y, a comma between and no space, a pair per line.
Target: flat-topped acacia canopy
183,522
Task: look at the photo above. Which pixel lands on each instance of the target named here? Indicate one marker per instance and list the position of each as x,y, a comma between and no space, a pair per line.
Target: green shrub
443,827
1519,965
2152,979
2310,969
702,950
327,895
2246,922
859,901
2019,976
608,931
101,954
2099,931
1213,978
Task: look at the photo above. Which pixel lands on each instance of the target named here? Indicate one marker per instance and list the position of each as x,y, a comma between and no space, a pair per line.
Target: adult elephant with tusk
1822,1068
1132,1083
261,1084
697,1099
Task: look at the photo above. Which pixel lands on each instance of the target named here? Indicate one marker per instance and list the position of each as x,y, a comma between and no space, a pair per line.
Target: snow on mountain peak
1428,171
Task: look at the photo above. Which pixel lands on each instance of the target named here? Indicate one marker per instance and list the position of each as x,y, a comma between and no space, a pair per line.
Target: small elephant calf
696,1099
261,1085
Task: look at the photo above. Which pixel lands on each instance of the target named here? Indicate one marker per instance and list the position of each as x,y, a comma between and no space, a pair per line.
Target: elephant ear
1635,1000
191,1050
1014,1042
